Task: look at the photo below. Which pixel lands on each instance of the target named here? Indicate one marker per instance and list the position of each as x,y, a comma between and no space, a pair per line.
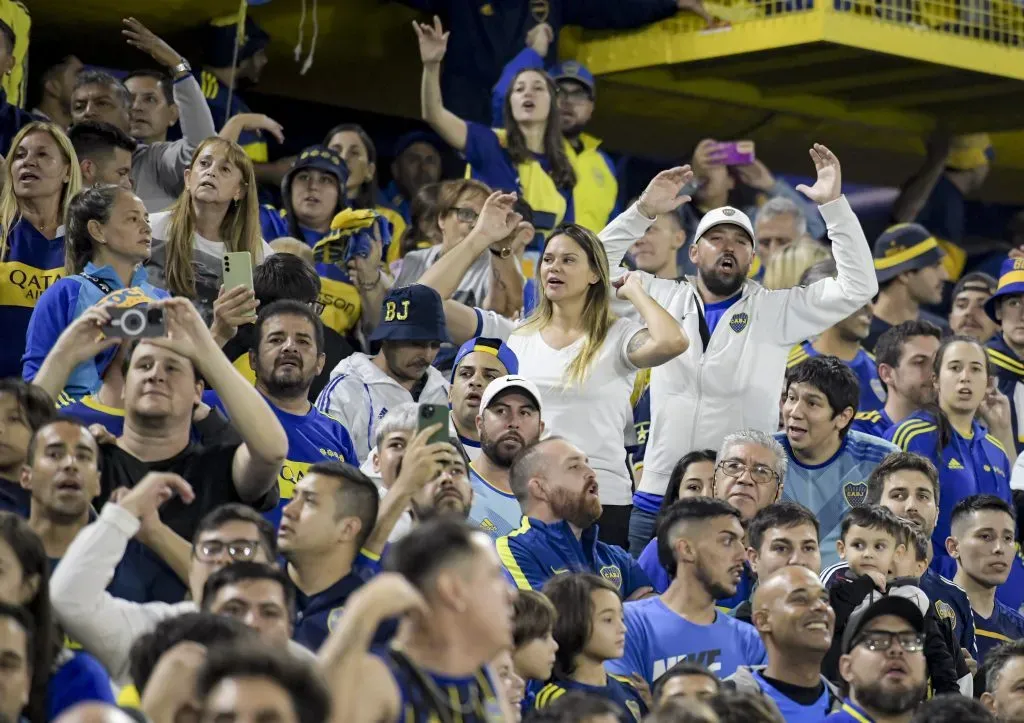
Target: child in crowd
590,630
533,642
875,542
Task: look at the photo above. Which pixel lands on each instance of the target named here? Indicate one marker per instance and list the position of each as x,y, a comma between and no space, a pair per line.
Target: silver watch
181,69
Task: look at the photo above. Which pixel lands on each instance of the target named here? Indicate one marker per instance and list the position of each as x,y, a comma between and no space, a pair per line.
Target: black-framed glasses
882,640
761,474
317,307
465,215
237,550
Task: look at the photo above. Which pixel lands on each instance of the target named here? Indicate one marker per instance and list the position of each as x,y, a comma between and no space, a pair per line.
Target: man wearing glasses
107,626
883,663
829,465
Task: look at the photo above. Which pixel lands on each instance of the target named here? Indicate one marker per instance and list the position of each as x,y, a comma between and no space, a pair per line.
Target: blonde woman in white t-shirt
581,356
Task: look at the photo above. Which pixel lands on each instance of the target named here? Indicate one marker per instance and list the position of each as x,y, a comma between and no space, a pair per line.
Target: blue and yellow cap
970,151
323,159
905,247
496,347
409,139
412,313
571,70
1011,283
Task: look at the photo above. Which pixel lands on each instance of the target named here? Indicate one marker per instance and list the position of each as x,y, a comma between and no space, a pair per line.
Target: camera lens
133,322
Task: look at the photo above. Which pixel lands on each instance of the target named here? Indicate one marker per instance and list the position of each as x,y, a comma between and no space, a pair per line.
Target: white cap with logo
725,215
510,381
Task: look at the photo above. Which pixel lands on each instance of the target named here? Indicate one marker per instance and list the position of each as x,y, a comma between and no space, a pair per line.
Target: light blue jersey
658,638
495,512
833,487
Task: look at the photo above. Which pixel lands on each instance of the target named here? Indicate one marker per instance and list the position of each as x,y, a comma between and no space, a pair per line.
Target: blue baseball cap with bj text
412,313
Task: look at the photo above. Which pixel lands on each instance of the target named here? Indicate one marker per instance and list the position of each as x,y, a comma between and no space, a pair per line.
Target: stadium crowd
492,448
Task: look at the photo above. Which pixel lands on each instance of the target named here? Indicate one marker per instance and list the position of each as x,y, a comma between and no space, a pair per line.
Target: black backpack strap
99,283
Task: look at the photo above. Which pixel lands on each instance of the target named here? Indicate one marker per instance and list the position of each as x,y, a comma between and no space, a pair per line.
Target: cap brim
928,258
403,333
513,388
887,605
1008,290
727,222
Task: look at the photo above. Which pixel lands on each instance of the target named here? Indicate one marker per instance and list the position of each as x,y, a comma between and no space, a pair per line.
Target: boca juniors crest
855,493
739,322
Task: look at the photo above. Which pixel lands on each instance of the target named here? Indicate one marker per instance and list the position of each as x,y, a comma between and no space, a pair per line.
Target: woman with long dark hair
40,179
108,240
60,678
528,157
312,193
361,189
970,456
590,629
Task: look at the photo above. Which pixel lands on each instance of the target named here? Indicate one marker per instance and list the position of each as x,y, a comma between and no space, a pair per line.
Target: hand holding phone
431,414
735,153
237,272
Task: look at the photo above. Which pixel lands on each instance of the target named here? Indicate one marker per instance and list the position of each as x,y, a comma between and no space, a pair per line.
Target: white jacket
732,380
359,394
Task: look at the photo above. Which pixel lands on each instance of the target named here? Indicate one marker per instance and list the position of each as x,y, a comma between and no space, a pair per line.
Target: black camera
137,322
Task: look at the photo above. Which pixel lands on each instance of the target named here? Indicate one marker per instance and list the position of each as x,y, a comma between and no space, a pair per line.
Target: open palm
829,185
433,41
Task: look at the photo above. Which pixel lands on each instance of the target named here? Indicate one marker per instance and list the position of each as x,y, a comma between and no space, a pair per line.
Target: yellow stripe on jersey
908,438
991,634
869,415
797,355
624,680
1006,362
548,695
899,437
509,560
997,443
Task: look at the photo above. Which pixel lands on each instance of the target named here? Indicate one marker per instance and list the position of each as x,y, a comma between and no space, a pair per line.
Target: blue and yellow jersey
1009,370
33,264
537,552
65,301
850,712
312,437
315,615
640,401
475,697
951,603
216,94
872,391
874,422
619,689
89,410
1004,626
967,466
495,512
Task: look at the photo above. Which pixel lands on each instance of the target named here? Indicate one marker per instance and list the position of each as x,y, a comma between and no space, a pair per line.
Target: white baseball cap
510,381
725,215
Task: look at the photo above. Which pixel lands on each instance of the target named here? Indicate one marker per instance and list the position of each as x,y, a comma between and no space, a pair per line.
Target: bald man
792,615
94,713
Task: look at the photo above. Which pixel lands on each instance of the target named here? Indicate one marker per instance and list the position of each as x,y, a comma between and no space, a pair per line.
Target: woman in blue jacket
108,238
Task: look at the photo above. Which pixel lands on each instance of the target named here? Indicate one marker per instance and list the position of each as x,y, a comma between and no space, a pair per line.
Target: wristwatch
181,69
503,253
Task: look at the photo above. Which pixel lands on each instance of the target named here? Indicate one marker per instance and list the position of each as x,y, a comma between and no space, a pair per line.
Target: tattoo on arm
637,342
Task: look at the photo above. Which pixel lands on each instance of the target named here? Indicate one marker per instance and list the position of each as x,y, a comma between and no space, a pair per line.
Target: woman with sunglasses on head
581,356
40,179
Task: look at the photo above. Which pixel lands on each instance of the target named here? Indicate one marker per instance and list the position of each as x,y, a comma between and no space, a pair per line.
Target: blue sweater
68,299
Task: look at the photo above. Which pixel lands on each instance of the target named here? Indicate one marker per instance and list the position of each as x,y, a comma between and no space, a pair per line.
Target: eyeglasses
317,307
761,474
881,640
466,215
574,95
238,550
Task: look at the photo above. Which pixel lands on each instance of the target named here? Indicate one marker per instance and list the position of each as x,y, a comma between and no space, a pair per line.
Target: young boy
533,645
23,409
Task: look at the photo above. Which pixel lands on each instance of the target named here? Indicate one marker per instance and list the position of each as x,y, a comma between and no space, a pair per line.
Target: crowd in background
496,447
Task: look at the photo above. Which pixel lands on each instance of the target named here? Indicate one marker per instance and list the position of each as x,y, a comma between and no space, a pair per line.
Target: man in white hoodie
363,388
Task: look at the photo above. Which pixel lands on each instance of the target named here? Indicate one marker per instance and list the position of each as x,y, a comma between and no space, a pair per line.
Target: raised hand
141,37
83,339
433,41
186,333
231,309
540,38
628,285
497,220
424,461
756,175
662,193
829,185
153,490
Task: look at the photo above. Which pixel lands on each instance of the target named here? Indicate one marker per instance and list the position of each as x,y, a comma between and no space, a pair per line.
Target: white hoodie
359,394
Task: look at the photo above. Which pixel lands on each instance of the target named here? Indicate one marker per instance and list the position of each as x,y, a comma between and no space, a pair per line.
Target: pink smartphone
736,153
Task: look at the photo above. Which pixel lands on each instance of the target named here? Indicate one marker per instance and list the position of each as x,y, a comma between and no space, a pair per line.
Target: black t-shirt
207,469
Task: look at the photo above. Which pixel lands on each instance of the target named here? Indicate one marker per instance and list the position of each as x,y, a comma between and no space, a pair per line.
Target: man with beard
843,342
883,663
509,420
703,539
968,315
827,462
1004,682
363,388
287,356
1006,349
791,612
904,357
908,263
478,363
983,542
447,491
730,379
557,491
